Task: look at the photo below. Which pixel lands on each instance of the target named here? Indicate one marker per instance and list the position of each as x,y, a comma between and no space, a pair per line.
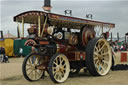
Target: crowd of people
119,46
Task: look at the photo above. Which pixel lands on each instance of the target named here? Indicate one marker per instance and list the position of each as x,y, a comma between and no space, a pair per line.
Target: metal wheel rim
102,57
61,68
31,71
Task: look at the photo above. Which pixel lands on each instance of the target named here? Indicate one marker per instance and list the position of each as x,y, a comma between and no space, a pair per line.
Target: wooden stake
102,30
111,36
125,38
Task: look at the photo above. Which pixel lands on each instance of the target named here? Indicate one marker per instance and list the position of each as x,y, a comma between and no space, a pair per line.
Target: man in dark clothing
2,52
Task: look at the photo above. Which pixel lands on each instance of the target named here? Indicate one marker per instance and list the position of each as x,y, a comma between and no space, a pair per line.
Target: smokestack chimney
47,5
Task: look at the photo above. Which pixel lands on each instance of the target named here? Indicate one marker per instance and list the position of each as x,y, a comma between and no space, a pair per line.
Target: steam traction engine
62,45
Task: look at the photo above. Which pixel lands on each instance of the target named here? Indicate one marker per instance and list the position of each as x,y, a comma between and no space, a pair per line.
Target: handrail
44,26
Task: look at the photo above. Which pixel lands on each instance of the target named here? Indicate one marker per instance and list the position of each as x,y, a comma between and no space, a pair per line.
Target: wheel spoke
35,61
97,66
60,76
29,61
30,73
56,76
95,58
96,48
60,60
54,72
57,60
35,75
28,69
28,65
53,68
55,63
98,44
62,73
101,68
37,72
95,53
64,67
97,62
102,47
105,53
105,61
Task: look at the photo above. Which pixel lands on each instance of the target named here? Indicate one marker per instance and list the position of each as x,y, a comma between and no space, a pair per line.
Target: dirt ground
11,74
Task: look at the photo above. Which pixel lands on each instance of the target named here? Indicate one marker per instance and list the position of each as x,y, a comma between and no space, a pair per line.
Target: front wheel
59,68
99,57
32,67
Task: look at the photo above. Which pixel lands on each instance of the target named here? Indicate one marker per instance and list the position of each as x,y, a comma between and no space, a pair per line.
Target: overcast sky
114,11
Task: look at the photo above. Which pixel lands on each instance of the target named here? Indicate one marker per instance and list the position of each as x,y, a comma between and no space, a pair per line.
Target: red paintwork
71,52
44,42
76,56
71,56
86,35
83,55
123,57
65,48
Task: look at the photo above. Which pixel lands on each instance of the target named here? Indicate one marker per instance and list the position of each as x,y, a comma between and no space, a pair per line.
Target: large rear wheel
59,68
99,57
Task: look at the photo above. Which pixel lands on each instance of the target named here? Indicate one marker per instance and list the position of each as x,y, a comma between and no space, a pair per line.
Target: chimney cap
47,5
46,8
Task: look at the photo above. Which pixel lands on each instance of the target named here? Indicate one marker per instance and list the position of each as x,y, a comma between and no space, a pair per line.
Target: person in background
1,54
115,47
125,48
122,48
5,58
